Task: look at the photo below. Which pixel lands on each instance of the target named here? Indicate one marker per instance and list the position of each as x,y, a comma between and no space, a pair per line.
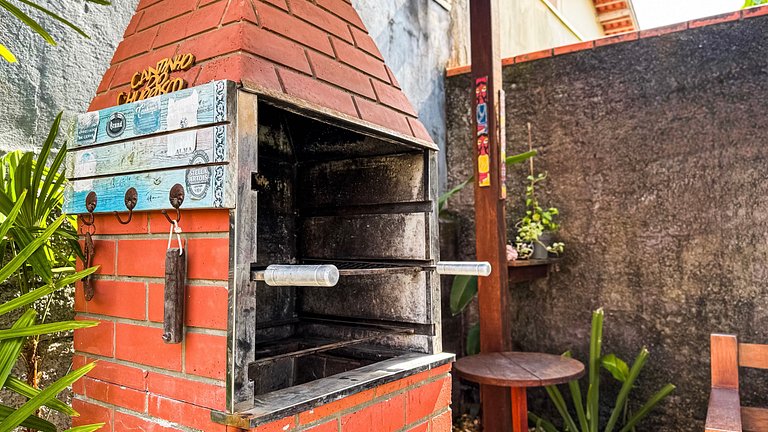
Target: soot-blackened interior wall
328,194
656,155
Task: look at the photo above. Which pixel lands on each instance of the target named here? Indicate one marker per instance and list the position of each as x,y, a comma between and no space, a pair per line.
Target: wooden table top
519,369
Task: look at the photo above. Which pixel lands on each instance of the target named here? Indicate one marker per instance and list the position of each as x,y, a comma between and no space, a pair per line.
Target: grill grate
360,268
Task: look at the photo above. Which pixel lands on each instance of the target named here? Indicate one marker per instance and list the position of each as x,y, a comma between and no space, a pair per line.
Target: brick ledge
623,37
294,400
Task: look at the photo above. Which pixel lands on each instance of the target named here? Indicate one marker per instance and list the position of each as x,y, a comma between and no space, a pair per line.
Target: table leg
496,408
519,410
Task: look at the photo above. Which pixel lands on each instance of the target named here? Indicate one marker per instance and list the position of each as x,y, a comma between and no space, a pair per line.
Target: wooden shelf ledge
529,270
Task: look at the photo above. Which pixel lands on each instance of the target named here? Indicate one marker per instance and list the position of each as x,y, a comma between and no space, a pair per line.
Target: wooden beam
619,30
614,15
602,4
490,216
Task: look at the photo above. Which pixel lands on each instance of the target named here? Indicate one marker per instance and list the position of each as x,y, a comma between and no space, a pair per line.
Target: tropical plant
27,180
536,221
31,194
12,340
587,411
14,10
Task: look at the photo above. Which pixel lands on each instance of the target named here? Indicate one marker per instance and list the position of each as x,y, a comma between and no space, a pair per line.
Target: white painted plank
177,150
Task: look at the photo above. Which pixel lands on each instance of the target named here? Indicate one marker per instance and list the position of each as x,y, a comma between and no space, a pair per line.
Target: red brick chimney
315,50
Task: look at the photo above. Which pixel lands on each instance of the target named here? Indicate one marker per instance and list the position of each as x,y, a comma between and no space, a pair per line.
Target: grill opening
330,195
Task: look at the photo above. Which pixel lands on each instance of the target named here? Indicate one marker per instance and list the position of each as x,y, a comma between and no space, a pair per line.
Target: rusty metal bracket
91,201
176,197
131,198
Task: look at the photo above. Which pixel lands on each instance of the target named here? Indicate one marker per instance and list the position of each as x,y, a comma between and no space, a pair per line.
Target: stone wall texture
656,158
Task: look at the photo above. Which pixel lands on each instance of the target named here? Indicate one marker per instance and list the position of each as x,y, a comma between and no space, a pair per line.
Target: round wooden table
519,370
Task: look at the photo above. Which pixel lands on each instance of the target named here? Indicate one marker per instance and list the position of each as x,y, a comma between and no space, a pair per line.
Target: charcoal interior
328,194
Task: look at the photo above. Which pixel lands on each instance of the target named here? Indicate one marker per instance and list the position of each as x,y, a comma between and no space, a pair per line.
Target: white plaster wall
526,26
414,38
48,79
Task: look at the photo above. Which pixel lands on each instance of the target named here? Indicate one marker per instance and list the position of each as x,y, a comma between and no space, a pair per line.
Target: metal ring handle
176,198
131,198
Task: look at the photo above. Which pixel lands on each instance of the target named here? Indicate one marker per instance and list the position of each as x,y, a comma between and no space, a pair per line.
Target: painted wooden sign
192,107
483,145
157,80
179,138
503,144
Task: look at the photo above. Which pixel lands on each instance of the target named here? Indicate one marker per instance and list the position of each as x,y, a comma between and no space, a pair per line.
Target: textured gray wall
656,157
48,79
414,38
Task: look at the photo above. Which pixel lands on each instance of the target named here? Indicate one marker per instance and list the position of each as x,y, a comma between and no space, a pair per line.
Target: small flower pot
540,247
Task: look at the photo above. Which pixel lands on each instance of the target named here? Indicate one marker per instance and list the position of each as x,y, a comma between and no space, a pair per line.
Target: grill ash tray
307,344
319,348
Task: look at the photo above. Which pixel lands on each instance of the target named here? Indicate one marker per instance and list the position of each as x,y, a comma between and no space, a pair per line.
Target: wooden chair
725,413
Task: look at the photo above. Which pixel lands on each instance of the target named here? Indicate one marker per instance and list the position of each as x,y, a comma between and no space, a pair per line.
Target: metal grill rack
364,268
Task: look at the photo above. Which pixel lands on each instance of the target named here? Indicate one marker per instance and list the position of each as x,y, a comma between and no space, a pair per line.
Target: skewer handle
464,268
298,275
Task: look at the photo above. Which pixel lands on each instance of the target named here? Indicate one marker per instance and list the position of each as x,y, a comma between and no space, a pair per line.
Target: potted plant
535,230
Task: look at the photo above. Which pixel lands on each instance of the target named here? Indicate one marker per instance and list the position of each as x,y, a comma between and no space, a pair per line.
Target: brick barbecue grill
306,295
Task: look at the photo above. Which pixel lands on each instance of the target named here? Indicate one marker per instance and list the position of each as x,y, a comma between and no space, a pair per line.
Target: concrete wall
412,35
656,155
50,79
526,26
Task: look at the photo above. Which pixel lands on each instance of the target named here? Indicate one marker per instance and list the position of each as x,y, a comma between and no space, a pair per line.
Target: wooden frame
725,413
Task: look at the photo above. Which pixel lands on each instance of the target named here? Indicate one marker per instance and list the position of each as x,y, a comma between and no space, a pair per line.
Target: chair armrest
724,412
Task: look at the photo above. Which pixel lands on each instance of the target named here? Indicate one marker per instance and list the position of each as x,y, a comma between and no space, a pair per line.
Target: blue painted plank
193,107
204,187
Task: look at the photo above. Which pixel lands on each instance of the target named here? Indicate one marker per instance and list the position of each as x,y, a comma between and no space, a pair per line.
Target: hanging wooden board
177,150
205,186
188,108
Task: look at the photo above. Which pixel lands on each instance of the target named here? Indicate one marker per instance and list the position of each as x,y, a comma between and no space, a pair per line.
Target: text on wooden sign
156,81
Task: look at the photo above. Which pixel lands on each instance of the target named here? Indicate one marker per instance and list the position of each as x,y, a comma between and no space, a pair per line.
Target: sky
655,13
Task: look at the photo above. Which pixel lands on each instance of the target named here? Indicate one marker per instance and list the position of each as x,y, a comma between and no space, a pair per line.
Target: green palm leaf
26,390
31,422
16,418
28,250
10,349
26,19
46,329
39,293
56,17
7,54
87,428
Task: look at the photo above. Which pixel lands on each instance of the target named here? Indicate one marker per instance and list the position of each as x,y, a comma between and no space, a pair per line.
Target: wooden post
490,193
